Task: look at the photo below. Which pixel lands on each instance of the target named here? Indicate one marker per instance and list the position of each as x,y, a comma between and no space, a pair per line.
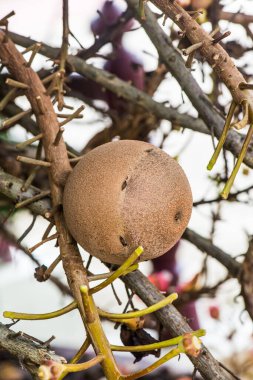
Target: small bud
214,312
191,344
161,280
50,370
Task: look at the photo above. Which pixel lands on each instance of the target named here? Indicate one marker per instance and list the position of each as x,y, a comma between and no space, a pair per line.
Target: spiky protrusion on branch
224,67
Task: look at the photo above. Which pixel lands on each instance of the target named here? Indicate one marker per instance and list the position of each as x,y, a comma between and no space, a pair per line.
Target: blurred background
227,223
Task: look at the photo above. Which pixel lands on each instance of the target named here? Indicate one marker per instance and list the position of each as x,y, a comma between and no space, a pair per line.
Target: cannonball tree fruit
124,194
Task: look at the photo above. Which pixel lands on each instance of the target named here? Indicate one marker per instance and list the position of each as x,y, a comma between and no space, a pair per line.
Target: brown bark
215,55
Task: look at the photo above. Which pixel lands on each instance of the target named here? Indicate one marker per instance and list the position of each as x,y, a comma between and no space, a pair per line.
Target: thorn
4,20
199,12
13,119
52,237
29,141
215,31
142,9
65,115
35,50
14,83
246,86
32,161
8,97
221,37
74,160
34,170
48,78
189,60
53,85
52,266
29,48
192,48
58,136
73,155
28,201
68,107
72,116
195,14
9,325
165,17
48,341
48,230
30,179
40,105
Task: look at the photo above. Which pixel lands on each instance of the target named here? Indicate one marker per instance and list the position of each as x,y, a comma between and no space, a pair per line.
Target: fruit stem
81,351
139,313
152,367
223,136
71,368
119,272
158,345
35,317
241,156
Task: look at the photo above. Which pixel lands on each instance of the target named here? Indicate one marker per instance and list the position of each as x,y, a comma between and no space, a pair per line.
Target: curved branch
172,320
205,245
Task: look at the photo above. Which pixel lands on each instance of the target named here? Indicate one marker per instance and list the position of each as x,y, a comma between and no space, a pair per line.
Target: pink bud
161,280
214,311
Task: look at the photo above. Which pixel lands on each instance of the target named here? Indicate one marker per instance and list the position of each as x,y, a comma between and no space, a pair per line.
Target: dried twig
25,350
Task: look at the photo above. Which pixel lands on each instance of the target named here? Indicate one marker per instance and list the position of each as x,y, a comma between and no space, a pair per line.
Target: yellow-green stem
119,272
36,317
242,123
223,136
156,346
102,276
139,313
81,351
99,341
241,156
152,367
89,315
70,368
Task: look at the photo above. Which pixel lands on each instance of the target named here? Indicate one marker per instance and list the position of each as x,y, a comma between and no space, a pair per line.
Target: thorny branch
41,207
25,350
123,89
59,169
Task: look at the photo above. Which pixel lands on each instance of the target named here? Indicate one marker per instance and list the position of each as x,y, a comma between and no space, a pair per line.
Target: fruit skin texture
124,194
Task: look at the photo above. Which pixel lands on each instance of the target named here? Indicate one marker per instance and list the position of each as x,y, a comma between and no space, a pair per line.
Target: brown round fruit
124,194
